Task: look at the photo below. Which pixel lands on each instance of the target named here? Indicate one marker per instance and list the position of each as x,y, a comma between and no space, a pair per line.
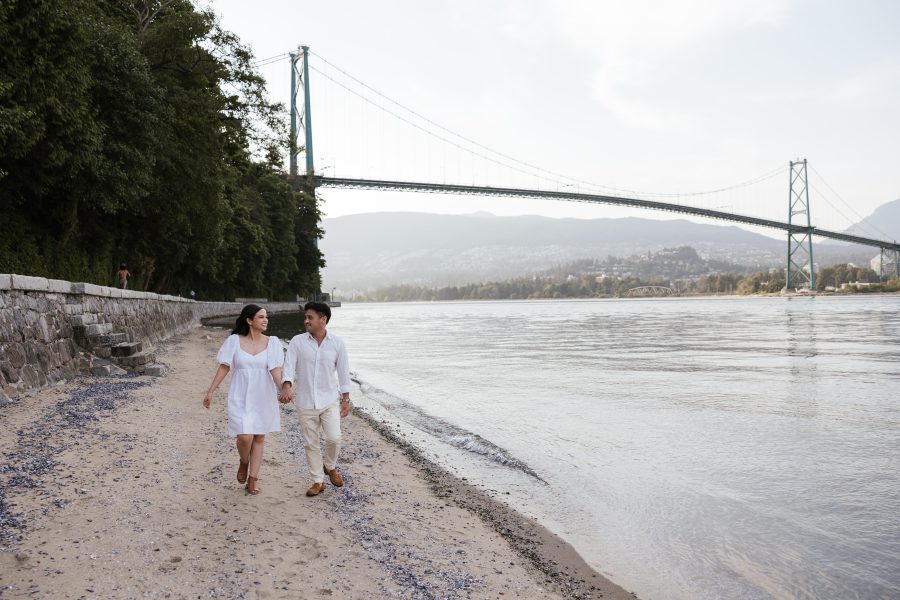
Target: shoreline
551,555
822,294
124,487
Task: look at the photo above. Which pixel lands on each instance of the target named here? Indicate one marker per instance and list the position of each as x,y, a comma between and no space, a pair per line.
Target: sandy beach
125,488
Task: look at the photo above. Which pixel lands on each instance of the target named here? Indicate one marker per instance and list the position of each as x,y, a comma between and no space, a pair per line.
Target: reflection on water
692,449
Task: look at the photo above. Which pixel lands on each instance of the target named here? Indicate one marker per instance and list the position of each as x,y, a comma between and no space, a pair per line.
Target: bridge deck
439,188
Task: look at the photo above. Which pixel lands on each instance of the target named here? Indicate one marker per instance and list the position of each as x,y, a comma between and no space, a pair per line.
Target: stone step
107,370
126,349
85,331
83,320
135,360
109,339
95,343
152,370
98,329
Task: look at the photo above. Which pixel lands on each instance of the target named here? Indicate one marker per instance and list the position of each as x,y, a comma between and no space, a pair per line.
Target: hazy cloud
631,44
878,84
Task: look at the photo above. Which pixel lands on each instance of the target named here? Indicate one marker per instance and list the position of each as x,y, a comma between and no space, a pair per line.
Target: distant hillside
883,223
377,249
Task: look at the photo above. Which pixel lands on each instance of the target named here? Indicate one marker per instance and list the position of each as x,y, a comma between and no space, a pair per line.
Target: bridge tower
300,120
892,259
800,266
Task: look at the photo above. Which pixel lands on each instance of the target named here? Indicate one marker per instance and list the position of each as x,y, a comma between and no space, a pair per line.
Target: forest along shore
120,487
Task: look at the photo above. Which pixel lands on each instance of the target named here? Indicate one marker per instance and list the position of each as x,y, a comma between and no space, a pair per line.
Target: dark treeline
592,286
139,132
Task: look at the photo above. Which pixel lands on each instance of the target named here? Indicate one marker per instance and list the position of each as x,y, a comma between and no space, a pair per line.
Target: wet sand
125,488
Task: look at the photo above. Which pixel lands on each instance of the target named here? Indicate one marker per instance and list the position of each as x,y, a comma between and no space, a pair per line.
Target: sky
654,96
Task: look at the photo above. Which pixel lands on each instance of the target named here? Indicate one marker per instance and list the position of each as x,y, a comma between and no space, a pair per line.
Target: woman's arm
221,372
276,376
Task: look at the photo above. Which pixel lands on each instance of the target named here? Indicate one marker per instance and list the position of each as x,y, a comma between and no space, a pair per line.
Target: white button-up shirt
311,367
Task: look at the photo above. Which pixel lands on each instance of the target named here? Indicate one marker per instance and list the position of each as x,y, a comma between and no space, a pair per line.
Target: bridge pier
889,264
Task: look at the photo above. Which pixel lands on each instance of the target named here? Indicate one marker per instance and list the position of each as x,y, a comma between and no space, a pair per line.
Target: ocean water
687,448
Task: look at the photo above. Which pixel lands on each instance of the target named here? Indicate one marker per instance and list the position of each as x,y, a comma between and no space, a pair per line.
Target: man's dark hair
320,307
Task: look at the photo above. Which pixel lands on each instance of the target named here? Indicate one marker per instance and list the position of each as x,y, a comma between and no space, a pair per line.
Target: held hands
287,393
287,396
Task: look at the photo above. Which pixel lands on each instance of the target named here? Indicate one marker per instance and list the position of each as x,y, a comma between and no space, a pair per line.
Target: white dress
252,397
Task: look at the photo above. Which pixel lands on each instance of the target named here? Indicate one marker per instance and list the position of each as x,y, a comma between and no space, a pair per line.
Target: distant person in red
122,275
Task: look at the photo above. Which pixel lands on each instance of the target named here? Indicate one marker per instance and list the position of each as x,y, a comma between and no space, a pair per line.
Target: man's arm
288,372
342,365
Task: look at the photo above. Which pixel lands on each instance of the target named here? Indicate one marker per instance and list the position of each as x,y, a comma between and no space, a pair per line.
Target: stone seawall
52,330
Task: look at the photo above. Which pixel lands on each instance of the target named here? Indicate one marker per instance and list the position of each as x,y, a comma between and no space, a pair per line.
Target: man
313,359
122,275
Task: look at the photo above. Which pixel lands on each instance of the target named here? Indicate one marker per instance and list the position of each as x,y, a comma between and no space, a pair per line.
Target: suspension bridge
800,269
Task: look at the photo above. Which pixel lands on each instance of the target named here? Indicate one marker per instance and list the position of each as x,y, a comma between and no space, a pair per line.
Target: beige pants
329,420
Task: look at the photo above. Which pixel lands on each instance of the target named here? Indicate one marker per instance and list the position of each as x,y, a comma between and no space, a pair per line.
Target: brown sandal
242,471
251,486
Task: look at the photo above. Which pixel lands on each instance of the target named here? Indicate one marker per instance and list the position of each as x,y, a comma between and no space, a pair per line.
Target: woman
253,412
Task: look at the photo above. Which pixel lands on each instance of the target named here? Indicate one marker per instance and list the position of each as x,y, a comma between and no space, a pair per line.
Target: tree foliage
563,283
138,131
836,275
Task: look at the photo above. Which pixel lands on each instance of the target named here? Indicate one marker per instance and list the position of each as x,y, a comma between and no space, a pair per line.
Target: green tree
139,131
81,127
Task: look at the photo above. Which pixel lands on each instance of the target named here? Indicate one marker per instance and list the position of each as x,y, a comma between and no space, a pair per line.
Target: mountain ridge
368,250
884,221
375,249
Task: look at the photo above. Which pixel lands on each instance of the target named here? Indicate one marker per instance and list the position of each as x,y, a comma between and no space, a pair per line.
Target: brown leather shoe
316,489
251,486
335,477
242,471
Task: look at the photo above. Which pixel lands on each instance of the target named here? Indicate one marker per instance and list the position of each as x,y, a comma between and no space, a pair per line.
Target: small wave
442,430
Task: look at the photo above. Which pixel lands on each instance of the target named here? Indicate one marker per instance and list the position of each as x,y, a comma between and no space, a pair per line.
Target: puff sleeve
274,354
226,352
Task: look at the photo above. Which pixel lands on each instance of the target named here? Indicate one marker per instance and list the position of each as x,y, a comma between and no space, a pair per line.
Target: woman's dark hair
241,327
